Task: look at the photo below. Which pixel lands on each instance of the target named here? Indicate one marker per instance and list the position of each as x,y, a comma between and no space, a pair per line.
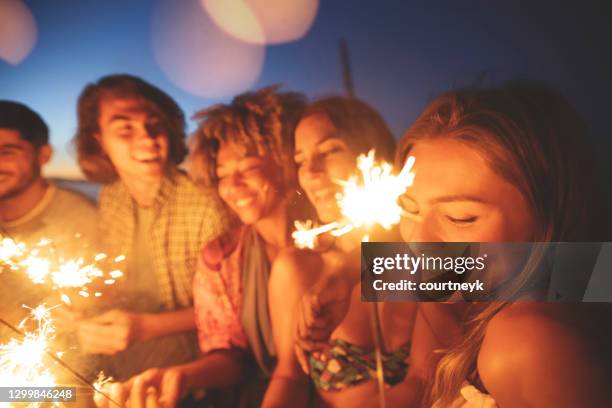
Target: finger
302,359
301,321
150,377
315,303
100,400
138,393
312,312
318,335
170,391
151,398
116,393
309,346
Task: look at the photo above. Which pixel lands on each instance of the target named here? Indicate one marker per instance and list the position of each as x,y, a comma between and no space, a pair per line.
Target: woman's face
456,197
249,184
323,159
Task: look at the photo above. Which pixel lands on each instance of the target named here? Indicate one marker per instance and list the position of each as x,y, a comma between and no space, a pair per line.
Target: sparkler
22,361
367,199
61,274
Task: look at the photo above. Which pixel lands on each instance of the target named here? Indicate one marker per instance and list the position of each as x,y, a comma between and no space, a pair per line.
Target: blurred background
396,55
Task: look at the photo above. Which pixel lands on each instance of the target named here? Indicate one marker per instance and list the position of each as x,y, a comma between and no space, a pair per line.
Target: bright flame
23,361
305,236
372,198
58,272
367,199
10,250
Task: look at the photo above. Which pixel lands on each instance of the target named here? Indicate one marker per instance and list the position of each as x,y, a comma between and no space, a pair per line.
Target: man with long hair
131,138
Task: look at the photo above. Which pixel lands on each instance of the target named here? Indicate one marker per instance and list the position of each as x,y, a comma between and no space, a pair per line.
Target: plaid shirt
186,218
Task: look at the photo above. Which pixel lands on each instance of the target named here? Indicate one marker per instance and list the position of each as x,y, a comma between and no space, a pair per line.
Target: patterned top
345,364
217,291
185,218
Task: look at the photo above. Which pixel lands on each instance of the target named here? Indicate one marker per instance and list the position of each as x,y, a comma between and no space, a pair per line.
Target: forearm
159,324
217,369
284,391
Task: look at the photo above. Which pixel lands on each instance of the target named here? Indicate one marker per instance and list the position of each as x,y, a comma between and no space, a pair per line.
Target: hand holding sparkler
110,332
320,311
367,199
156,387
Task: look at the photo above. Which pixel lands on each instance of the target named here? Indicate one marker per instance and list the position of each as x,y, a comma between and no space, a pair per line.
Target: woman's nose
418,229
314,167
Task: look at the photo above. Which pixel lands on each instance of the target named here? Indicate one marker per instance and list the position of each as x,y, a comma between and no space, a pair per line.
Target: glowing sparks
371,198
36,268
368,198
305,236
23,362
10,252
102,384
43,266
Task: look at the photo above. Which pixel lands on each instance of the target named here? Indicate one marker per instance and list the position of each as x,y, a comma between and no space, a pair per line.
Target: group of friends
217,305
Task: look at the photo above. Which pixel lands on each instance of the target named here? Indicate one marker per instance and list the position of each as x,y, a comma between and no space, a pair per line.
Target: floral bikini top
344,365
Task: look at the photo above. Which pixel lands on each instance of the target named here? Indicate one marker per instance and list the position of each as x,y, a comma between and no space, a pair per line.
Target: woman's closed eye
462,220
331,150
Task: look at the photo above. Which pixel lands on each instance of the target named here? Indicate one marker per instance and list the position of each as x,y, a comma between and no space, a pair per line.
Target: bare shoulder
296,268
531,355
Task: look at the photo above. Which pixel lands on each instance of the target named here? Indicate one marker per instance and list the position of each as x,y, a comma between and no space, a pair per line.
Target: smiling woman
243,150
501,165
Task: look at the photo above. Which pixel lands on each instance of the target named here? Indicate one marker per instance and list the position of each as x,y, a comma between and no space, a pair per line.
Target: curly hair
262,122
91,157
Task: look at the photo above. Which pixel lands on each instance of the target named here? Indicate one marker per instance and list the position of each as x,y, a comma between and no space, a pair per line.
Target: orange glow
17,31
263,21
199,57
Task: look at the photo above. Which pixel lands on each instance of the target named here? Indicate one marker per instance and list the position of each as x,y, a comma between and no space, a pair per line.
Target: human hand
110,332
65,318
320,311
156,387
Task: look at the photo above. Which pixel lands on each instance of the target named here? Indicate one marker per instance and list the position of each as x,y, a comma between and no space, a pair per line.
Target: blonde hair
534,139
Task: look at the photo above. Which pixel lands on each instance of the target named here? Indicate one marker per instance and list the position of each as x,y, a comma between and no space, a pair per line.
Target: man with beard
32,208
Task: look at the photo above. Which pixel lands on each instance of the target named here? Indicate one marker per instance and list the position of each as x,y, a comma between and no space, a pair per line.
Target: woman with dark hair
328,139
509,164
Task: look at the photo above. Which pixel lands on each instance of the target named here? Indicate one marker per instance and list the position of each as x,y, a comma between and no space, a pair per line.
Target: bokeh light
198,56
17,31
263,21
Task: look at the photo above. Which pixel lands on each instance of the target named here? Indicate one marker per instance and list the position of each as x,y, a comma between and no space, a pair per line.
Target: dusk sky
402,55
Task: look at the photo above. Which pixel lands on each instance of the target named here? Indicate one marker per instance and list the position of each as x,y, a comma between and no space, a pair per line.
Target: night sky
402,55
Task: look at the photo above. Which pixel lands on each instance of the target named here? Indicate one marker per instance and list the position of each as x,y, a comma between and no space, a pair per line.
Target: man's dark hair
29,124
93,161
